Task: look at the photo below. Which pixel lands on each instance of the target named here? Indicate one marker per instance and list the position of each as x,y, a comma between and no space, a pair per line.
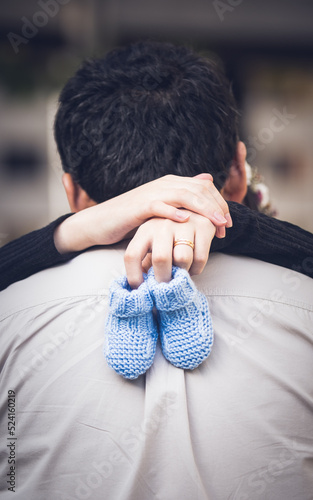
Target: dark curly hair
142,112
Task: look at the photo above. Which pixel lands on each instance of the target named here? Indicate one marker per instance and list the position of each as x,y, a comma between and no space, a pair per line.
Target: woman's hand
153,244
113,220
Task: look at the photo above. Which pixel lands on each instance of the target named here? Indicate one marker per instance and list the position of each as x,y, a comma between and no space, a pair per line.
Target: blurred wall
266,48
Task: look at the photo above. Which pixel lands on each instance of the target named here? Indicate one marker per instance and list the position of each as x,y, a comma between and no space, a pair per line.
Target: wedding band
184,242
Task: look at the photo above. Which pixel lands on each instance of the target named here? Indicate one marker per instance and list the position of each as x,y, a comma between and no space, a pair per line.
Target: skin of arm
112,221
115,219
253,235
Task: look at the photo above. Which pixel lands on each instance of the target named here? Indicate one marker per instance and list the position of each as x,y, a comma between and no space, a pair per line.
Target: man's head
142,112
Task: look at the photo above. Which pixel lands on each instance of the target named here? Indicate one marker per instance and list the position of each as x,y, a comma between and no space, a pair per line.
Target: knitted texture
131,331
185,323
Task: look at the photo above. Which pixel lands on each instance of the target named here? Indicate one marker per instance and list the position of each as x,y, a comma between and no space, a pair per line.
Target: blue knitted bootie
131,331
185,323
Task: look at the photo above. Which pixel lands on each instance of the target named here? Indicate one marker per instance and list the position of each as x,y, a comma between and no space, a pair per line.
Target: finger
220,232
206,200
222,208
147,262
161,209
183,256
183,253
209,208
136,250
162,249
203,240
198,195
221,202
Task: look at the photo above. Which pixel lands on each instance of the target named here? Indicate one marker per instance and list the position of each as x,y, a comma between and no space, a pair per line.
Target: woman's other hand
153,244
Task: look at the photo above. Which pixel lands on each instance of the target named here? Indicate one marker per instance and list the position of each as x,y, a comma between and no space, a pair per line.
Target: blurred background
265,46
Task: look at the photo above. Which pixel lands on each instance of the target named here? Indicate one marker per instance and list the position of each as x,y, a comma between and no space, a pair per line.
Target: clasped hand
164,210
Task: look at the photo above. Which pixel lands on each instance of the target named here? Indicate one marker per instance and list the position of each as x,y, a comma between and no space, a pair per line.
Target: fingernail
229,220
181,215
219,217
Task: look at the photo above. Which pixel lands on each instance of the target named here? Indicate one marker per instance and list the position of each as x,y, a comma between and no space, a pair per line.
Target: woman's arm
253,235
30,254
110,222
113,220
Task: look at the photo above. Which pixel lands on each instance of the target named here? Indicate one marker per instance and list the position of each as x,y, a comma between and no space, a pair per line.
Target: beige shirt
240,427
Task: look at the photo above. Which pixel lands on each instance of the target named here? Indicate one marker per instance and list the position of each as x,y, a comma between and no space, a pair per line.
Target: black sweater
253,234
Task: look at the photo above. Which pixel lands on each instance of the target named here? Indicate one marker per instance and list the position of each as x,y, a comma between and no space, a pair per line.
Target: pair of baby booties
182,320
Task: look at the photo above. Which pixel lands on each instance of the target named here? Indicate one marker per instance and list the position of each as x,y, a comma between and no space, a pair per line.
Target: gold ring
184,242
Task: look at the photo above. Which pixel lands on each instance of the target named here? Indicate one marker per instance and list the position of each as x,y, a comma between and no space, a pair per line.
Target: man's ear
235,187
77,197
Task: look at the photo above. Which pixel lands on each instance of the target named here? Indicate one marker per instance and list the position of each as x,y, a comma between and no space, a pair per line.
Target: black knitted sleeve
265,238
31,253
